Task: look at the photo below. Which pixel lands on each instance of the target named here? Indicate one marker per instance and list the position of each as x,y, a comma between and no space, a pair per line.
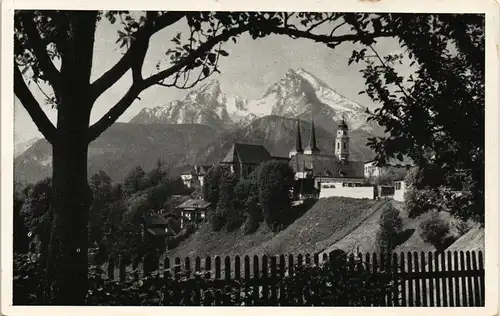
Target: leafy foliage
391,225
426,112
275,180
435,230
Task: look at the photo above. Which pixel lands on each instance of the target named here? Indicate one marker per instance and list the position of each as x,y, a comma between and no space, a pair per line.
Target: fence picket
217,267
444,288
110,273
123,266
463,280
394,280
449,268
411,299
431,280
198,289
470,293
237,277
282,276
425,280
248,299
274,276
375,271
437,280
256,276
403,269
166,278
265,267
208,267
458,301
418,293
389,297
481,278
477,300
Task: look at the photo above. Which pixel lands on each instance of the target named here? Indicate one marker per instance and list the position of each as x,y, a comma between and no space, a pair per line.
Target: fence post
290,289
274,279
375,271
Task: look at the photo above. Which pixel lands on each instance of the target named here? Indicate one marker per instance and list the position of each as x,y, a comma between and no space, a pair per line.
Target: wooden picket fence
446,279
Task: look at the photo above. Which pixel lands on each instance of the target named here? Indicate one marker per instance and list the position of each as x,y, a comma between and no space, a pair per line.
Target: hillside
122,147
327,219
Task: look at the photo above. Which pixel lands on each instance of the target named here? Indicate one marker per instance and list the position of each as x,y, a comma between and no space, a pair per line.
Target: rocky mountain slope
297,94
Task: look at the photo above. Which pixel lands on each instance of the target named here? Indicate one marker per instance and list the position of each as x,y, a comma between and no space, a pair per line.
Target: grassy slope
327,221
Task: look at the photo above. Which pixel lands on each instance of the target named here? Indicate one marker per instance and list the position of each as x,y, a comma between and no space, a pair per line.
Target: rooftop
247,153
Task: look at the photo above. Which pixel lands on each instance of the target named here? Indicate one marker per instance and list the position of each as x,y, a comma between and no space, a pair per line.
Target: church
312,167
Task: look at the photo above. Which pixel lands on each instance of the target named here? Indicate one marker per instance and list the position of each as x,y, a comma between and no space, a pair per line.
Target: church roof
327,166
247,153
312,141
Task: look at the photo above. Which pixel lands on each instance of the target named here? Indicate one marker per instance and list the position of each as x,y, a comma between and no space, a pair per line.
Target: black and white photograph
209,157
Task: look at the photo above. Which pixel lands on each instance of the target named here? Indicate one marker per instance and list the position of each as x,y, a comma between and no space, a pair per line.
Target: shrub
435,230
217,221
250,225
212,183
391,224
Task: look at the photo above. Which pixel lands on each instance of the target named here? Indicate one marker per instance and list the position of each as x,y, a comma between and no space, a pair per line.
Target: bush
435,230
250,225
391,225
217,221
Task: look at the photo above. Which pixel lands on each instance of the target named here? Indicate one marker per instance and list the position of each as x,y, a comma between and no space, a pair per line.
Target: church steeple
298,142
342,142
312,148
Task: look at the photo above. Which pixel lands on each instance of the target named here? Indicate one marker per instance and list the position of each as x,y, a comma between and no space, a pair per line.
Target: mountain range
201,128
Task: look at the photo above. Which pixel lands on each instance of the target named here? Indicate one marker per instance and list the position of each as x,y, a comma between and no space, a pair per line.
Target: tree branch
125,63
29,102
205,47
40,51
327,39
137,87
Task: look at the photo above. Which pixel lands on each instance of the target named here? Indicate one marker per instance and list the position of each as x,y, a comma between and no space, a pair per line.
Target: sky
251,67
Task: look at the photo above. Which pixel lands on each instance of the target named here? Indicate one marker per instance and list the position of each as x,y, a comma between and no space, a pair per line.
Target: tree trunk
68,251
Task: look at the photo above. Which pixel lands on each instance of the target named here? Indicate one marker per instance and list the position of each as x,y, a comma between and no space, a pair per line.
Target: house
312,167
393,167
399,190
195,176
155,227
194,211
243,159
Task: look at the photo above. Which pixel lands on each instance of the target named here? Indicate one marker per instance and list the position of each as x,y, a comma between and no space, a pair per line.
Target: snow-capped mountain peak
298,92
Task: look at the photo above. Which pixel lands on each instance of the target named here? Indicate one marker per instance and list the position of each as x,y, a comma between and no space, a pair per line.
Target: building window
338,145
